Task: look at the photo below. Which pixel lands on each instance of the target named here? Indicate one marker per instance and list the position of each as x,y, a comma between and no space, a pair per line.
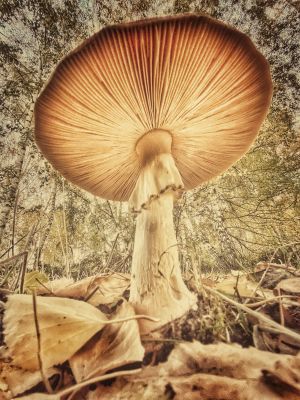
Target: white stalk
157,287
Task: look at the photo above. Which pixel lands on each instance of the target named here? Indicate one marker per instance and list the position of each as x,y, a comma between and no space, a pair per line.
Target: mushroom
144,110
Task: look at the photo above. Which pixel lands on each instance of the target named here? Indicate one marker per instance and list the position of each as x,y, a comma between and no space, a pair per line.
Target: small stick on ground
236,287
281,308
162,340
44,286
23,271
271,300
291,270
260,282
74,389
90,295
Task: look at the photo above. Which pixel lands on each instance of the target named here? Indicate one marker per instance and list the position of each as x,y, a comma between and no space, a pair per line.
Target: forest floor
81,341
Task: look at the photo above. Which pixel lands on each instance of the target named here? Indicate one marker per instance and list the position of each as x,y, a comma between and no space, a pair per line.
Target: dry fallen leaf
65,325
122,389
207,387
19,380
287,372
289,286
223,359
33,280
242,285
265,339
116,345
74,390
54,286
189,387
223,371
101,288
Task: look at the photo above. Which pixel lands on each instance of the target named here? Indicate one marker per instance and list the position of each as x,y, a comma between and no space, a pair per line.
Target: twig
275,265
9,260
65,230
268,329
22,238
64,251
44,286
280,247
281,308
23,271
8,250
120,275
256,314
236,287
111,212
8,271
101,378
125,319
260,282
261,303
145,340
14,223
39,352
24,254
122,263
279,266
90,295
111,252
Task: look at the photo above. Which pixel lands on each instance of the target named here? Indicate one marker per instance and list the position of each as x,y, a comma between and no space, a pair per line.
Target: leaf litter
198,356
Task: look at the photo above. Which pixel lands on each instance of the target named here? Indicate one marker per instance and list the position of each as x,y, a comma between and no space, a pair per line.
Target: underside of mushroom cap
192,76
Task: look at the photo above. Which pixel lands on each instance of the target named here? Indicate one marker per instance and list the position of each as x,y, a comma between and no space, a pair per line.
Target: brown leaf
289,286
220,359
74,390
189,387
117,345
33,280
286,372
205,372
65,325
206,387
101,288
223,367
242,285
54,286
266,340
19,380
124,390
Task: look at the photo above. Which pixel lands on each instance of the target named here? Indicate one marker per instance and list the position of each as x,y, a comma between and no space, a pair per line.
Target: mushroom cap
199,79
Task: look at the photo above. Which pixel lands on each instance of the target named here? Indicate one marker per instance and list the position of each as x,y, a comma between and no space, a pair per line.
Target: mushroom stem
157,287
